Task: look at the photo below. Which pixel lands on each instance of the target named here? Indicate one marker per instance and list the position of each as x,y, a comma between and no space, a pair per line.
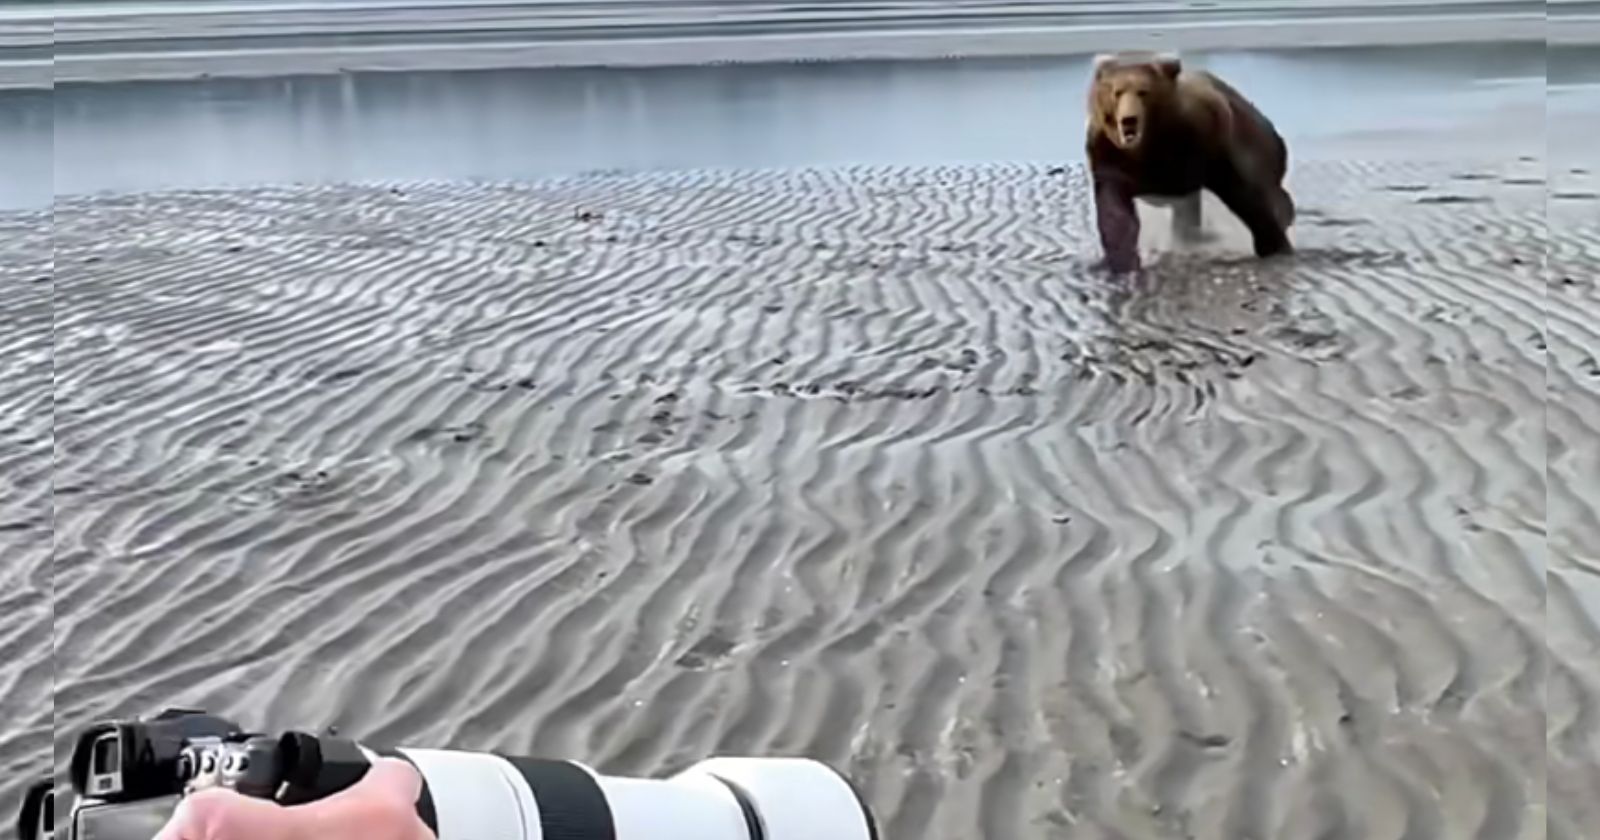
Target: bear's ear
1103,62
1169,65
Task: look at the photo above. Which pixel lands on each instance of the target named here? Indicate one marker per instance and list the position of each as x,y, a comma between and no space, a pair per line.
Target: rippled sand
865,465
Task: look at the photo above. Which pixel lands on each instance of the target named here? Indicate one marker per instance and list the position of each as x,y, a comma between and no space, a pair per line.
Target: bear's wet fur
1160,132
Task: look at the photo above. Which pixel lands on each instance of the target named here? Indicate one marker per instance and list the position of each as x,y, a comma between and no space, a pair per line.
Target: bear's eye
1143,93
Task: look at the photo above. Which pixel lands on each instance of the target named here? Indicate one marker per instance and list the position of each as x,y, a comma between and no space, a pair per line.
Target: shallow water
526,124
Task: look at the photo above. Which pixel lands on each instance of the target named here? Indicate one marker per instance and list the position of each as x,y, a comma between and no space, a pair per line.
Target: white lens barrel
694,809
477,796
793,798
482,796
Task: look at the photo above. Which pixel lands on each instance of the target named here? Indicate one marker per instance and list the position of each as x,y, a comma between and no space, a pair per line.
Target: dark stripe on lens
866,813
572,805
752,817
425,806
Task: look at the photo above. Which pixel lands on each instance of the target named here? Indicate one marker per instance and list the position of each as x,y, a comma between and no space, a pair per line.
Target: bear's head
1129,92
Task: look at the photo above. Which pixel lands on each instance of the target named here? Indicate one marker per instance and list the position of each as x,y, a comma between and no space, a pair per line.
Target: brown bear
1158,132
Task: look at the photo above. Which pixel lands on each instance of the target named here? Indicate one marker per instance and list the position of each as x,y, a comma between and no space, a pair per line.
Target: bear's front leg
1256,205
1118,221
1283,207
1187,224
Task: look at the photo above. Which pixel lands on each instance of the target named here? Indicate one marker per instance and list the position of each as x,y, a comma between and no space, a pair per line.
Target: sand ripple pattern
1574,504
25,500
866,465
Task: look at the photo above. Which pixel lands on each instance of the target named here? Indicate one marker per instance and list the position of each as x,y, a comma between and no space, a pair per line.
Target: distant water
527,124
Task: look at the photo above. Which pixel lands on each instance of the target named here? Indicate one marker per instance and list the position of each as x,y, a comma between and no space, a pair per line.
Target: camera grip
316,768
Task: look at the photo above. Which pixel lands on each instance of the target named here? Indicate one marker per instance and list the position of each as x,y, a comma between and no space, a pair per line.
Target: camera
123,761
38,818
128,776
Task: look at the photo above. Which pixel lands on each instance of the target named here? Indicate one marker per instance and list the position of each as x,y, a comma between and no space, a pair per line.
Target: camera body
130,775
123,761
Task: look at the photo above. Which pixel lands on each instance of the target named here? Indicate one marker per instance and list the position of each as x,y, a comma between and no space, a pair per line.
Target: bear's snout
1128,127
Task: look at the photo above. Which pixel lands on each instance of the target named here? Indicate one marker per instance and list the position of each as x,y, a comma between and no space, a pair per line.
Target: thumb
178,826
221,813
192,818
393,779
388,779
389,787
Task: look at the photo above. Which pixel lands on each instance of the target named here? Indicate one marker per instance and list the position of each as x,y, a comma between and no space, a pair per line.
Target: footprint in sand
464,433
1454,199
708,653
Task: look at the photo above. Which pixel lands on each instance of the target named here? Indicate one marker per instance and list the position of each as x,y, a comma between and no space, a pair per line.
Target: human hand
382,806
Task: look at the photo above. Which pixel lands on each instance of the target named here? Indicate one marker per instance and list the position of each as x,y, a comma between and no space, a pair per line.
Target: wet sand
1573,446
858,462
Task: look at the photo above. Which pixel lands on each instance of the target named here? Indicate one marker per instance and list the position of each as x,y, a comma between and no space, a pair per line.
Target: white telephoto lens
482,796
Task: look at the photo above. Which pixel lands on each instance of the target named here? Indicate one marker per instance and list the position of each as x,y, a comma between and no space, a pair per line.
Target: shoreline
280,39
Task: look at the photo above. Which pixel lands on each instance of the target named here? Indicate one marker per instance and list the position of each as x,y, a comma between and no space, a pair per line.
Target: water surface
533,123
